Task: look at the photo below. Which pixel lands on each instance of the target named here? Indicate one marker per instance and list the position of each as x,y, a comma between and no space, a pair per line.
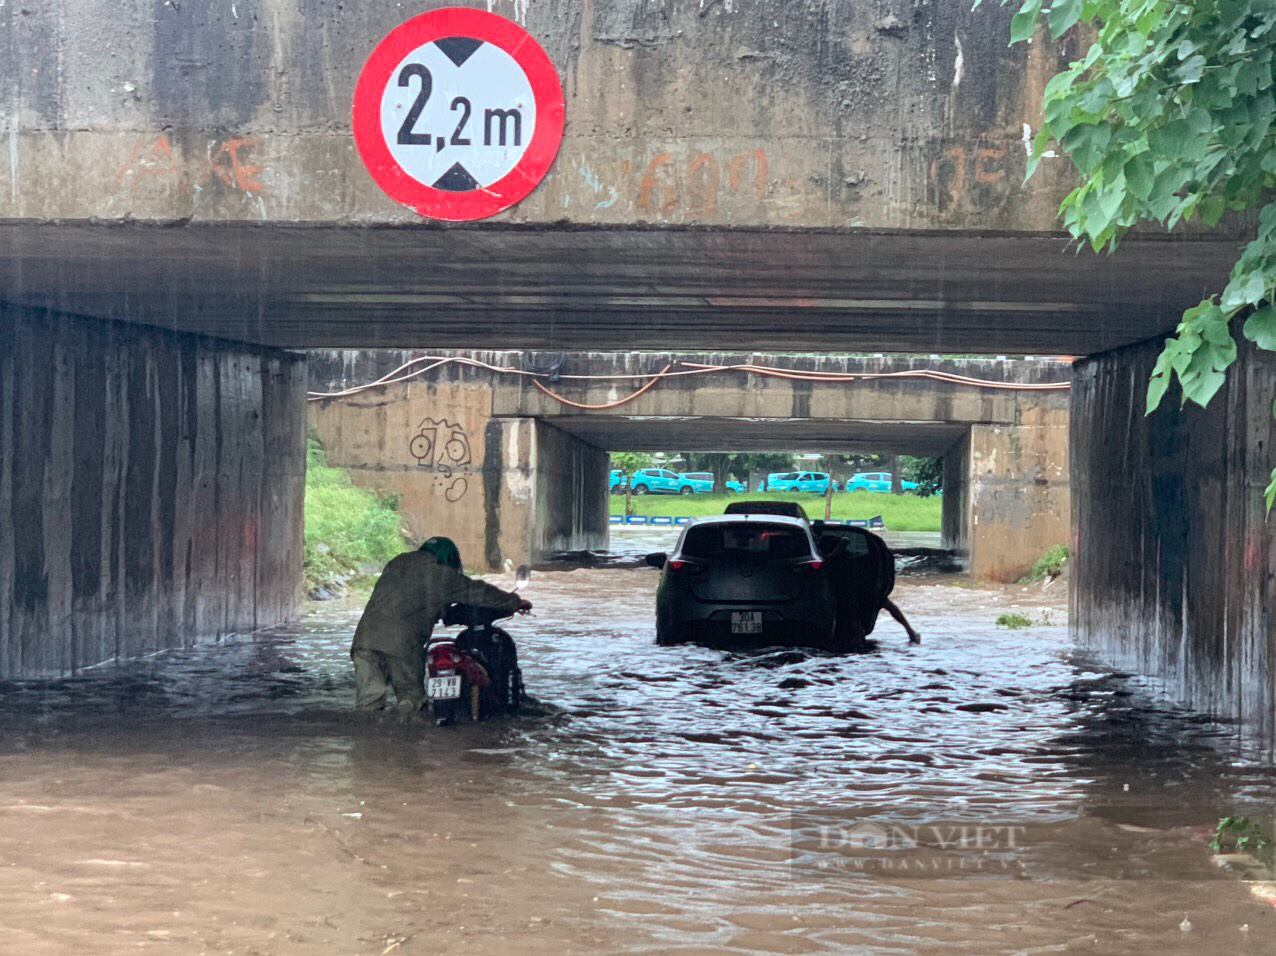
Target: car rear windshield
747,540
700,476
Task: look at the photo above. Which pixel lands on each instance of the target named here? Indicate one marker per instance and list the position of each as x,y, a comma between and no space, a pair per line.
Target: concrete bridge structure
514,471
821,175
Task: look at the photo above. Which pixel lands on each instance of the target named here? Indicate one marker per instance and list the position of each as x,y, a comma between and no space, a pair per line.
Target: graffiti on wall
443,447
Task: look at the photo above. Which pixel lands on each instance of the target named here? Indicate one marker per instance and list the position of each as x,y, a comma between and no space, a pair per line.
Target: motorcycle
474,674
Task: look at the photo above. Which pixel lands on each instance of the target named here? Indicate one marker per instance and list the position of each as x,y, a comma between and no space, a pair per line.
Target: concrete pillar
544,491
1018,495
151,490
956,504
1175,573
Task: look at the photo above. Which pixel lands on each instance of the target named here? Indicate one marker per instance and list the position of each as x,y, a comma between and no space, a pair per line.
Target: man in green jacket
411,595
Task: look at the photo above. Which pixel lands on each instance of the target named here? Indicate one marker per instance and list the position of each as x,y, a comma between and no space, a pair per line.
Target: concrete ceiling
619,433
300,286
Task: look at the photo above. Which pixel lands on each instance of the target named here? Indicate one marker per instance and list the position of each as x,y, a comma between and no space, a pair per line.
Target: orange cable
598,408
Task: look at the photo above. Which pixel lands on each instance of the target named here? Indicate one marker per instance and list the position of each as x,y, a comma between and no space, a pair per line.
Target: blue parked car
702,482
659,481
737,487
810,482
876,481
617,484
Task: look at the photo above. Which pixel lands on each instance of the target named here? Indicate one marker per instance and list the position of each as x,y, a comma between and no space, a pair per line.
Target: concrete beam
617,288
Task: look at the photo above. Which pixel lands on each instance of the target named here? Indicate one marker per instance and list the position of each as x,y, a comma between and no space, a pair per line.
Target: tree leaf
1260,328
1191,70
1157,387
1248,288
1270,493
1063,16
1024,23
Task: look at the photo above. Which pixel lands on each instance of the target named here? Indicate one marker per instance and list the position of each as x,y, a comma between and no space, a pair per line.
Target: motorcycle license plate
444,688
746,622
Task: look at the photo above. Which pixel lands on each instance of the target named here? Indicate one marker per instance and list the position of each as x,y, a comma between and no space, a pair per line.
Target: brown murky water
226,800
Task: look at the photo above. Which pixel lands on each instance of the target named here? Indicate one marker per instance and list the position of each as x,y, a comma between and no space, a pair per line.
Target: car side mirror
657,560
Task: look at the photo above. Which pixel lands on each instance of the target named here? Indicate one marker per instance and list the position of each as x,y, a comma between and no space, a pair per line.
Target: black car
790,509
744,580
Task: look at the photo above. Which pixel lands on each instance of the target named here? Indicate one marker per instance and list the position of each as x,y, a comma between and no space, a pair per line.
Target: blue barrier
636,519
660,519
617,519
682,521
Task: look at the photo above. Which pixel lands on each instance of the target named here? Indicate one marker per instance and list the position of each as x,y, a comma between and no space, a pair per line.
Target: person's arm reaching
895,612
465,590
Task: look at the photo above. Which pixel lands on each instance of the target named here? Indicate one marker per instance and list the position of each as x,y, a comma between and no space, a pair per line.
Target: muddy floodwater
682,800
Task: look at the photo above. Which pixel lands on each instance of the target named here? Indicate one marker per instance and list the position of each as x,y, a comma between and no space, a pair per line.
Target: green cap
444,551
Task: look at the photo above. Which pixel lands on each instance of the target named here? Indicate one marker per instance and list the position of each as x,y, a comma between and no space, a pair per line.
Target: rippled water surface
225,799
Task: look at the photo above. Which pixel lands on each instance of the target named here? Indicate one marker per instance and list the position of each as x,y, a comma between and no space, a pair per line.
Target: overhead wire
429,363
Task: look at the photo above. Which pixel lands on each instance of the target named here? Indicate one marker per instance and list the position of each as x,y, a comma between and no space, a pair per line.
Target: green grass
1050,565
350,532
1014,622
900,512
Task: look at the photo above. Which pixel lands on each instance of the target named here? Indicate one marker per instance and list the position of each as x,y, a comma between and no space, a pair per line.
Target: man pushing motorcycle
409,598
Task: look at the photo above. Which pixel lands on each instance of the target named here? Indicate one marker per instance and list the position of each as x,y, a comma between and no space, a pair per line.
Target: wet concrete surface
225,799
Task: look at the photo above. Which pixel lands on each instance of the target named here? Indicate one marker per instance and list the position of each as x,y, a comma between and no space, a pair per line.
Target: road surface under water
225,799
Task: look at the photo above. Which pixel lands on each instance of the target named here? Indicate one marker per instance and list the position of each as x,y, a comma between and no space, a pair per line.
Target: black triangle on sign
457,180
458,49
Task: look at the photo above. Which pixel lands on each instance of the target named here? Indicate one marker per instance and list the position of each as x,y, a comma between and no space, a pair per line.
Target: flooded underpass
226,799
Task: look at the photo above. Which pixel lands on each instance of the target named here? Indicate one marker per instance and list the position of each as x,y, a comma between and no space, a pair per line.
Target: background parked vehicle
655,481
744,580
617,483
876,481
662,481
810,482
700,482
737,487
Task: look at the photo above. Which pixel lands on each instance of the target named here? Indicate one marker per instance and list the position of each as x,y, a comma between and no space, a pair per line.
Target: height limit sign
458,114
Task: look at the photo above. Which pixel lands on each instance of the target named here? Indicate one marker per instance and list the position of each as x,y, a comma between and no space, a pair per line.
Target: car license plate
746,622
444,688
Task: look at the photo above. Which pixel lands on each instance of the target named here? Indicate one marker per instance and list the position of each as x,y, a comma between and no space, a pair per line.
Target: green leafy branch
1170,117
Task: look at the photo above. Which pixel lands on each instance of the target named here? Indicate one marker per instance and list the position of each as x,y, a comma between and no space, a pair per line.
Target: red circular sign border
515,185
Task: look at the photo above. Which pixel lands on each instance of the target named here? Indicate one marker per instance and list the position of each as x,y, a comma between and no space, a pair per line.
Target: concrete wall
768,112
424,441
505,489
1175,574
151,490
1018,495
543,483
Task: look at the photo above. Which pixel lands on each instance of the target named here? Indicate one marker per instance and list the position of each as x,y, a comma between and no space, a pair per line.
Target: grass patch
1239,834
1014,622
1050,566
900,512
350,532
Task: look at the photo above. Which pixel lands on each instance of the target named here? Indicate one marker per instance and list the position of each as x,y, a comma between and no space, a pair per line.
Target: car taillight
808,567
684,567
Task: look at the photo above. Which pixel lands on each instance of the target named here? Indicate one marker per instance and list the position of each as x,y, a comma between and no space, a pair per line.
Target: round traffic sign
458,114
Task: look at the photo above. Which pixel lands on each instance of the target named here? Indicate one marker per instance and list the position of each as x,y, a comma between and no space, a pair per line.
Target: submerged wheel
445,713
686,491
